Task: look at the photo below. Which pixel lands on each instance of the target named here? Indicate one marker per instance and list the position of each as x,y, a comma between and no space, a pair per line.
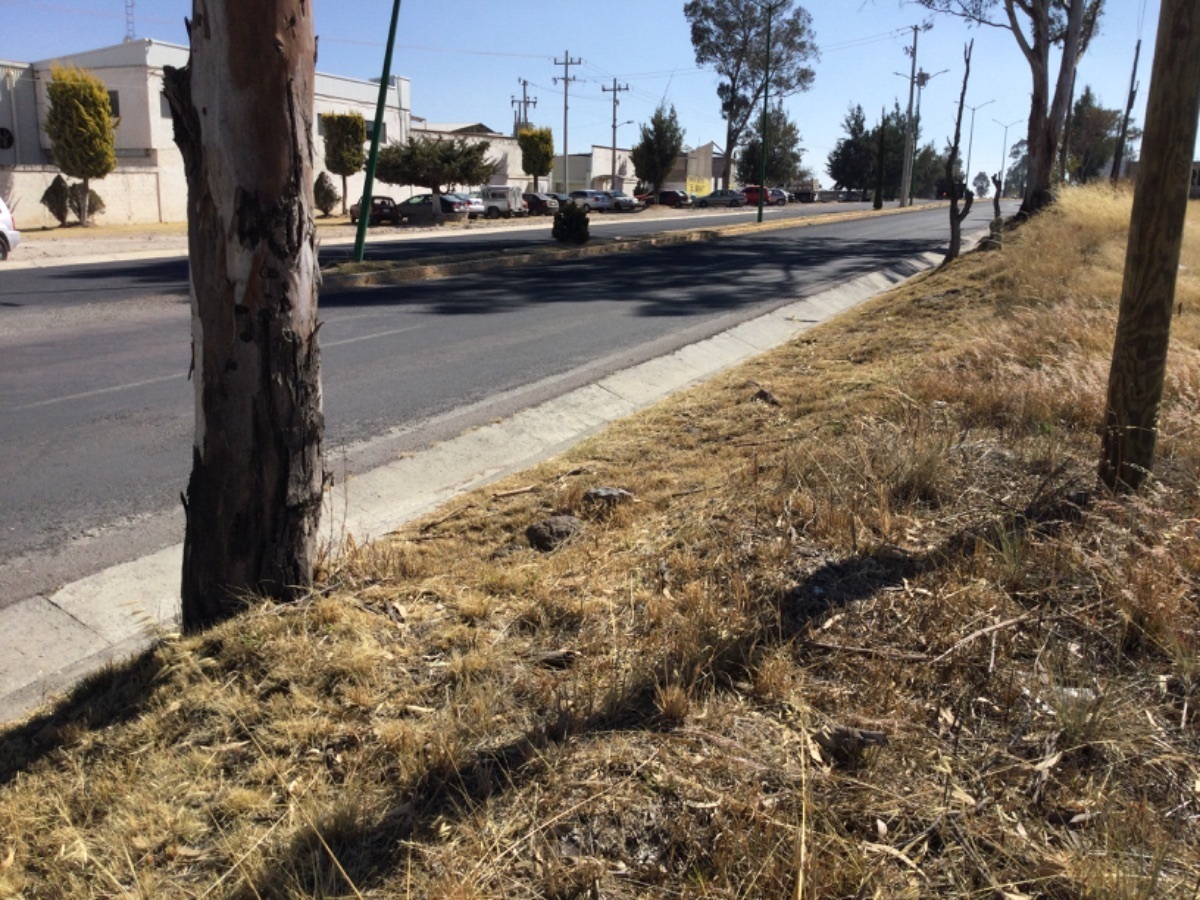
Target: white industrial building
148,184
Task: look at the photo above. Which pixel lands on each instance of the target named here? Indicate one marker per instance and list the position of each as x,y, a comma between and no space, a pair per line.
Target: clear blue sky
465,59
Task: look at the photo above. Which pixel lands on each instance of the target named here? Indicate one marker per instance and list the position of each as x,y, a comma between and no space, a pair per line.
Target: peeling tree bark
1139,361
243,120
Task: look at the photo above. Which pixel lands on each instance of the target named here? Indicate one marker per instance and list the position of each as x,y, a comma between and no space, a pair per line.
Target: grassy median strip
852,620
383,272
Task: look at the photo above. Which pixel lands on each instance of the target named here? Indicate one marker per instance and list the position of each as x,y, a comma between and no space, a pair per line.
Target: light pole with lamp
923,78
971,140
762,148
1004,151
612,178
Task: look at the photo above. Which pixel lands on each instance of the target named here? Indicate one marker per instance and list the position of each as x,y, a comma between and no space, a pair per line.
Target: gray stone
553,532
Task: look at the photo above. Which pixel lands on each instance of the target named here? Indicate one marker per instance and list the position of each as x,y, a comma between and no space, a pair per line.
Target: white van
9,236
503,200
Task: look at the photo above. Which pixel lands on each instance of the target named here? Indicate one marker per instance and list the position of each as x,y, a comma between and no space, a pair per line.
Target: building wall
602,170
580,172
18,115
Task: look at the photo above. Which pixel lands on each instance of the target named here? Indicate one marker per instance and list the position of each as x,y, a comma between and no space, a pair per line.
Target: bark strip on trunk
243,121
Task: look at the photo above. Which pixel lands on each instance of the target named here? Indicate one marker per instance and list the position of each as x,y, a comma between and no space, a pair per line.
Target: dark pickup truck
383,209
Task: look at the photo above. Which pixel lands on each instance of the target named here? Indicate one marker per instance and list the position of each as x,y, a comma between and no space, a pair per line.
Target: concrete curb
48,642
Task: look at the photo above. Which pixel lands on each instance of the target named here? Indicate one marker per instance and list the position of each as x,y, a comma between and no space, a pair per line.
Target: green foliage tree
927,171
325,195
854,160
435,164
982,185
1038,27
784,153
730,37
655,154
537,152
345,135
851,161
81,128
1017,177
55,199
1093,137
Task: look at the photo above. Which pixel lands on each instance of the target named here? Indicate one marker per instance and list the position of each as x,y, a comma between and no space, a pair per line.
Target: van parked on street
503,200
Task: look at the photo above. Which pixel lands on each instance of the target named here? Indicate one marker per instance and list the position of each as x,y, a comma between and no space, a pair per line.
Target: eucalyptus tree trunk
957,215
1139,361
243,110
1046,115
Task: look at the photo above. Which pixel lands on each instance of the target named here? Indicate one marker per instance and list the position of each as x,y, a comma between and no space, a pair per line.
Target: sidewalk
49,642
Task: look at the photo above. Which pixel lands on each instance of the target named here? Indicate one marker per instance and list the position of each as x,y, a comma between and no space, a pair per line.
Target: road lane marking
96,393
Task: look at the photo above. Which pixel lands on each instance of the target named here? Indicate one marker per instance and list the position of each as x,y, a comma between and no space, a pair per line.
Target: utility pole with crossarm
566,62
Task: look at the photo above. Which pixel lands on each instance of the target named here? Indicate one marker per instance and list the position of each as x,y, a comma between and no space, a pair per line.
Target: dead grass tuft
880,638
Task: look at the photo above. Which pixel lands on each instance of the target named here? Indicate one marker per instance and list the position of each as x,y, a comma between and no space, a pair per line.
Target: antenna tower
129,35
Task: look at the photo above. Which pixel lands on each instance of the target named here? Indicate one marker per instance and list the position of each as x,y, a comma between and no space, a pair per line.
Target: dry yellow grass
885,639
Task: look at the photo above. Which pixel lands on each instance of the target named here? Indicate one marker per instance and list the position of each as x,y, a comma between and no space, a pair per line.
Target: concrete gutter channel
49,642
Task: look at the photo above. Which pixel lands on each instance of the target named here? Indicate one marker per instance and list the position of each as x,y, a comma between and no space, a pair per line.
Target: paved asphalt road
97,408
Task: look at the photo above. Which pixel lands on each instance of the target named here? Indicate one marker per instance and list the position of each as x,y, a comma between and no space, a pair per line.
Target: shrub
75,200
55,199
325,195
571,225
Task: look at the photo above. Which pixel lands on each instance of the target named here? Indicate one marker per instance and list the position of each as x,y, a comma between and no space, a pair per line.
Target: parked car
777,197
722,197
419,208
475,207
9,236
563,199
622,201
589,200
503,200
541,204
383,209
674,199
751,192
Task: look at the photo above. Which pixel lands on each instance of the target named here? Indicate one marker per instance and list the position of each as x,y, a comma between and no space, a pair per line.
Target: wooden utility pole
566,62
1139,362
1119,153
243,110
616,90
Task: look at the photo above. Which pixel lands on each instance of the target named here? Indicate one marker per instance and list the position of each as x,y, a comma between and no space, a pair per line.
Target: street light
612,178
762,148
923,79
971,141
1004,151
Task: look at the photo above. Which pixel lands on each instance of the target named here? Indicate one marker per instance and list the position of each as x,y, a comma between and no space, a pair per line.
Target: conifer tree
81,128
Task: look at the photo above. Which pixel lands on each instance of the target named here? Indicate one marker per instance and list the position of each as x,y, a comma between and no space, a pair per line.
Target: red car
752,191
383,209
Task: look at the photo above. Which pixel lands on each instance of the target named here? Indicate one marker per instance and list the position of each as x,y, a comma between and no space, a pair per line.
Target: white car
475,207
589,200
9,236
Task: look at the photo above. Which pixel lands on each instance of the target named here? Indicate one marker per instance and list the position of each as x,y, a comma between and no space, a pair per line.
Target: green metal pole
364,209
762,144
